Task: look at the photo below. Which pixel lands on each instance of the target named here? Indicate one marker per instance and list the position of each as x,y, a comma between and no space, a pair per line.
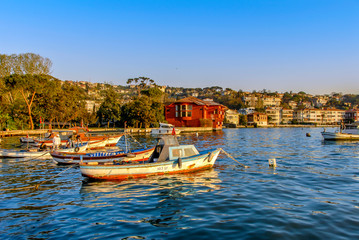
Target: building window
183,110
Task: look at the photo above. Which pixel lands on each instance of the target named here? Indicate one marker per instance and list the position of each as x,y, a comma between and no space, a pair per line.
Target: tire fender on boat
77,149
179,162
210,157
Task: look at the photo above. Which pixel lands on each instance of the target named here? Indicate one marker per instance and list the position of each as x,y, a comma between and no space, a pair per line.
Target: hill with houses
279,108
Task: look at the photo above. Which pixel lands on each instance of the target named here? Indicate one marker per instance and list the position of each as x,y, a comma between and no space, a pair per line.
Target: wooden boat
136,155
168,157
38,153
27,139
107,142
94,141
345,132
165,128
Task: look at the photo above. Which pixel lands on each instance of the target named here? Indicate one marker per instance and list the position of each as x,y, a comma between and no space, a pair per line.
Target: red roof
208,102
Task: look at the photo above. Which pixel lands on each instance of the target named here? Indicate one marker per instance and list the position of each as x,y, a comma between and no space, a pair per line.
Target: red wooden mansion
194,112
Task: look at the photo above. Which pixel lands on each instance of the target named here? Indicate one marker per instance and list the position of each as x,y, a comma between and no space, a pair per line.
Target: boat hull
139,155
339,136
204,160
45,154
164,131
109,141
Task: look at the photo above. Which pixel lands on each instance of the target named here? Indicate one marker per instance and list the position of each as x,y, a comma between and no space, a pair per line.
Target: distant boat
37,153
345,132
165,128
168,157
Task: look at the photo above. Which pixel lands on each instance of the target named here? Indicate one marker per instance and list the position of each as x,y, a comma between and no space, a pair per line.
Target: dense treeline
28,99
30,95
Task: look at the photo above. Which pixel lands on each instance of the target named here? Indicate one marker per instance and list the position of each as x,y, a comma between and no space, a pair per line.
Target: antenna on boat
125,137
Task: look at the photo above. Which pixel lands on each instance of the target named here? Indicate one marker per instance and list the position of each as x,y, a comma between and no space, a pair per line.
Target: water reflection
134,187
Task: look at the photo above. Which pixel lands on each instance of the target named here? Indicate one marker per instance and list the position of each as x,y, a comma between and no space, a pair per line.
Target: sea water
312,193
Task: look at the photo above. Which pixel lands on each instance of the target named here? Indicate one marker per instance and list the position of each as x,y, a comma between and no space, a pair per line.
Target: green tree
138,112
110,108
141,83
25,63
28,86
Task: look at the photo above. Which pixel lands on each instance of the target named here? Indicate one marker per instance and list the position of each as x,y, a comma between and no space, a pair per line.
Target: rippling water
312,194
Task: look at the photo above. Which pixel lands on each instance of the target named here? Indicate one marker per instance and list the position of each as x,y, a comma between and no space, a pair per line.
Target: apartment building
287,116
319,116
274,115
279,115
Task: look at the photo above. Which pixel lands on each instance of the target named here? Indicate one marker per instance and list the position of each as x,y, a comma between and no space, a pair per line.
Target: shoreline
19,133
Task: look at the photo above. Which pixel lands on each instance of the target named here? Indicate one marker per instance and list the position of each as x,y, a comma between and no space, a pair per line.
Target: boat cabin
168,149
166,126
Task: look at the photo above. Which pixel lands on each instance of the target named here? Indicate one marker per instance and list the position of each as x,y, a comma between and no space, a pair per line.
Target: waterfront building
274,115
287,116
232,117
278,115
319,116
194,112
352,115
259,119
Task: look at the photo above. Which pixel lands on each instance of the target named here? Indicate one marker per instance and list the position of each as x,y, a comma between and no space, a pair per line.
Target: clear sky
277,45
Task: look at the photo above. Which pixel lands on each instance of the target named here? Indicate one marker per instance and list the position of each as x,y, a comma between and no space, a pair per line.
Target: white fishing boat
168,157
165,128
38,153
345,132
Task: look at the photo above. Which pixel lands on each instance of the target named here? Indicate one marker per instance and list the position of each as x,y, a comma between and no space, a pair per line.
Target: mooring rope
36,187
245,166
30,159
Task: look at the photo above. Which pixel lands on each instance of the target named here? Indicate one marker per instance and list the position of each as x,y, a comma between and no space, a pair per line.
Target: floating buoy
307,134
272,162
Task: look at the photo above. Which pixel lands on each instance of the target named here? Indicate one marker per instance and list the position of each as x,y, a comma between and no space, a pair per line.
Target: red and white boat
38,153
118,156
169,157
81,136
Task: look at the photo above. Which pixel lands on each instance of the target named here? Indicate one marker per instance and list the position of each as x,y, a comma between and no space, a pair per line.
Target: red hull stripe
133,176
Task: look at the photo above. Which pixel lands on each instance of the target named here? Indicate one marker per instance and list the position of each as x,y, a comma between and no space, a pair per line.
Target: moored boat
165,128
27,139
38,153
123,156
345,132
169,157
95,142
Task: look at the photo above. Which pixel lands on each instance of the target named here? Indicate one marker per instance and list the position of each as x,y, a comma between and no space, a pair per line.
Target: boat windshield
168,140
182,151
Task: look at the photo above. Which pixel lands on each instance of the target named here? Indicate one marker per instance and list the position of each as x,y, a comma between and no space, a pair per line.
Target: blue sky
282,45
